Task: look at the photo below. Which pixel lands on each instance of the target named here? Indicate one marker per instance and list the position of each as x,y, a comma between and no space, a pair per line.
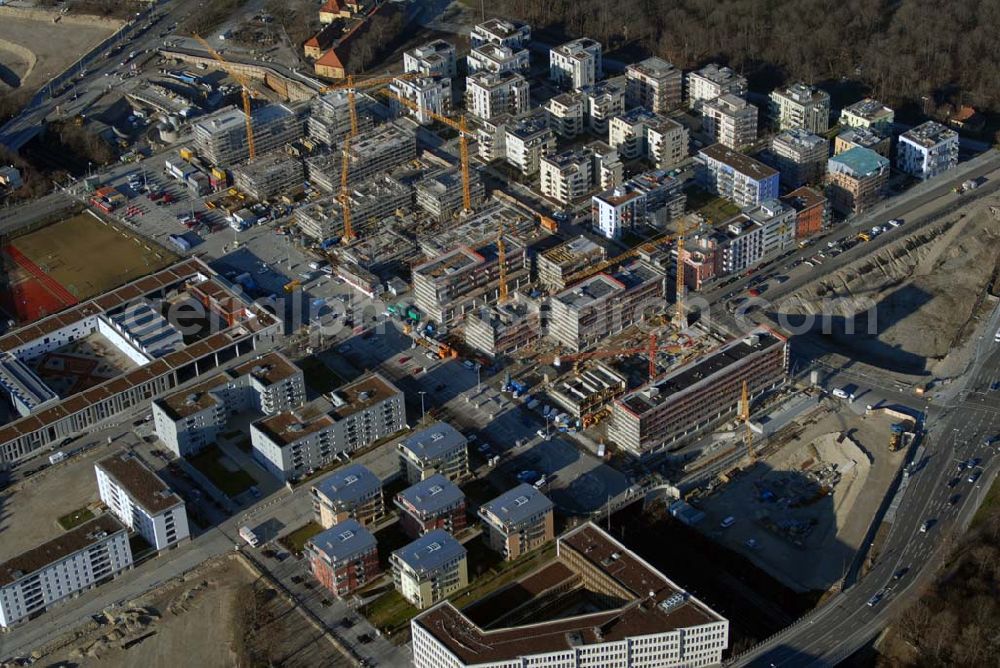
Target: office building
504,328
654,84
800,106
698,394
856,180
497,59
518,521
489,94
430,95
584,314
430,569
636,617
190,419
557,265
576,64
712,81
735,176
351,493
344,558
439,448
434,59
927,150
440,193
221,137
800,157
501,32
812,211
526,141
142,501
82,558
290,444
431,504
269,176
869,114
730,121
604,100
568,176
861,137
566,113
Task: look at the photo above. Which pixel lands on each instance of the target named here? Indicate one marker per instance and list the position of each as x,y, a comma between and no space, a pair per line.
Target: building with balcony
351,492
431,95
489,94
431,504
526,141
800,106
501,32
344,558
869,114
518,521
654,84
568,176
576,64
496,59
439,448
434,59
604,101
730,121
856,180
861,137
430,569
735,176
712,81
927,150
800,157
812,211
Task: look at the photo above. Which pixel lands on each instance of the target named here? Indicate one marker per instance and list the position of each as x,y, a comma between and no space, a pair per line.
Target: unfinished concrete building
479,229
586,313
586,391
698,394
381,149
440,193
269,175
503,328
453,284
371,201
221,138
330,118
557,264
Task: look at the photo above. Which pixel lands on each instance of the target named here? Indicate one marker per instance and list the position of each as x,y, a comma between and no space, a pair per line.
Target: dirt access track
914,304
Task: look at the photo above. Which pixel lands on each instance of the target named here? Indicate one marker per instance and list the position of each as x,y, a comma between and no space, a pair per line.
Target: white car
541,433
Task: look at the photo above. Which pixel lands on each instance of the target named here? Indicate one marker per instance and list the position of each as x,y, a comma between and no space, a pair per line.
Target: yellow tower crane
680,317
745,416
246,91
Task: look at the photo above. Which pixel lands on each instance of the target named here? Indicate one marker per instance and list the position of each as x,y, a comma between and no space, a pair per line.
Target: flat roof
349,484
59,548
602,286
430,552
271,368
138,480
344,541
929,134
804,198
194,399
361,394
858,161
738,161
434,442
868,109
292,426
431,495
516,505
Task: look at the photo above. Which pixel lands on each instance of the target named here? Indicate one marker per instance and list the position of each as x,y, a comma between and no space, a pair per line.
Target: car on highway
973,463
874,600
954,499
974,476
953,482
900,573
925,527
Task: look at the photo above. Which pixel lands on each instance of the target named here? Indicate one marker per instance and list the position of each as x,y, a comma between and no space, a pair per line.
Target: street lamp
422,413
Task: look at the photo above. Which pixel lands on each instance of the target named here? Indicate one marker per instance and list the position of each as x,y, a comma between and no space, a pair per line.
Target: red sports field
29,292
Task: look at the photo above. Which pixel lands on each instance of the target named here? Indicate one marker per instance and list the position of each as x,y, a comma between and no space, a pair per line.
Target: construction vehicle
246,92
293,285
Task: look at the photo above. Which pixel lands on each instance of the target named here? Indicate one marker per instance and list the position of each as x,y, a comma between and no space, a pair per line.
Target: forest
899,50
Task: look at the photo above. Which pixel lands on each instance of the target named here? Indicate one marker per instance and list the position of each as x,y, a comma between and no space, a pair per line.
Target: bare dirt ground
801,513
927,289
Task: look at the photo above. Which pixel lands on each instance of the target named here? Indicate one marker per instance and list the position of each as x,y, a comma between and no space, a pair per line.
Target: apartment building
856,180
698,394
526,141
440,193
666,143
491,137
431,95
567,176
518,521
557,264
566,113
604,100
330,119
501,32
82,558
292,443
729,120
371,201
800,157
608,168
576,64
754,234
452,284
188,420
627,132
439,448
727,173
434,59
496,59
489,94
269,176
352,493
431,504
642,620
654,84
142,501
869,114
430,569
812,211
221,137
344,558
800,106
380,150
652,198
503,328
712,81
927,150
604,304
863,138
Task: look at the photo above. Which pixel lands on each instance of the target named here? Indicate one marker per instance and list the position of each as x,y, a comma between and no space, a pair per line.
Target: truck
180,242
247,534
57,457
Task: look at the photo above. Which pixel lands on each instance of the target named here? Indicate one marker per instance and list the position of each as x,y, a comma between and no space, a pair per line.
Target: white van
728,522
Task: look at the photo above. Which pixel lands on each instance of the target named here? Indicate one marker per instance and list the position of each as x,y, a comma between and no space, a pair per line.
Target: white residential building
800,106
627,132
604,100
712,81
867,113
489,94
652,198
493,58
430,569
567,176
666,143
566,113
431,94
607,166
526,141
576,64
434,59
501,32
927,150
654,84
730,121
80,559
142,501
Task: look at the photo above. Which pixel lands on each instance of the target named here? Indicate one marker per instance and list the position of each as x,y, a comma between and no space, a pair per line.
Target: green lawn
389,612
230,483
295,542
718,210
75,518
318,375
